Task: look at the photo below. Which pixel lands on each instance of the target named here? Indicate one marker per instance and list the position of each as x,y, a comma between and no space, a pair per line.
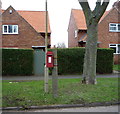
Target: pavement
113,108
83,109
30,78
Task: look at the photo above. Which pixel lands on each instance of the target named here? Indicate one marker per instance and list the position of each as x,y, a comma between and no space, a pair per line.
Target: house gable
35,18
72,41
27,36
104,35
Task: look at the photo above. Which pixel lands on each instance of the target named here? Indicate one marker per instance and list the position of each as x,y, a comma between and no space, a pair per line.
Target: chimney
117,4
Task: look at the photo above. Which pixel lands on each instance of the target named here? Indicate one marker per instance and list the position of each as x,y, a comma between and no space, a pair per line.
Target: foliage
17,62
105,60
70,60
116,67
71,91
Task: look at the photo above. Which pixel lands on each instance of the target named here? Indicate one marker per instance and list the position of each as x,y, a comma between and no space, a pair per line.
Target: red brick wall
27,36
106,37
116,59
72,41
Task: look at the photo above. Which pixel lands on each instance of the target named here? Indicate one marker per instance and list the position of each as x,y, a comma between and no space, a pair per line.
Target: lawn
71,91
116,67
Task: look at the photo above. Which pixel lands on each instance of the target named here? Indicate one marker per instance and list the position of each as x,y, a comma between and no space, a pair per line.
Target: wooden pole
46,44
55,75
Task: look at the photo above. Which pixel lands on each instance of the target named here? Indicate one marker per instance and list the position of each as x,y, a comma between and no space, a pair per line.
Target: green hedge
104,60
70,60
17,61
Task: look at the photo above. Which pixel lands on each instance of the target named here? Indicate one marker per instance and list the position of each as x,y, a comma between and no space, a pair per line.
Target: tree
92,19
61,45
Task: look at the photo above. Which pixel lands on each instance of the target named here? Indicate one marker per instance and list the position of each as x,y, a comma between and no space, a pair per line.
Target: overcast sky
59,13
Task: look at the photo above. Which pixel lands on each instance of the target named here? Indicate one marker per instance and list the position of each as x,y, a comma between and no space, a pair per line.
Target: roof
80,18
36,19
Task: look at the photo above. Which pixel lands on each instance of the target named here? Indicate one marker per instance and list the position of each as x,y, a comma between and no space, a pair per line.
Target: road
82,109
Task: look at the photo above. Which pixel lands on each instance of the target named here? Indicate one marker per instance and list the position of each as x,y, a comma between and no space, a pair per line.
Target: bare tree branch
98,4
102,9
86,9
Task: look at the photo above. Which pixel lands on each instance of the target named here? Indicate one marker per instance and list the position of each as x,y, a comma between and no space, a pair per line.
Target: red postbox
49,59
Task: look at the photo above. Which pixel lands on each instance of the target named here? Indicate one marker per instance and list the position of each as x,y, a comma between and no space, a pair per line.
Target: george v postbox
49,59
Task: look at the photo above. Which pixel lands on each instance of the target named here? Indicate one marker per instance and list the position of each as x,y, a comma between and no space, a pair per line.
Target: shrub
17,61
104,60
70,60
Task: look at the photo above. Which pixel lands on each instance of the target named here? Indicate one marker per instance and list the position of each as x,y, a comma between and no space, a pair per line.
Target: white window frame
7,32
113,26
76,33
115,46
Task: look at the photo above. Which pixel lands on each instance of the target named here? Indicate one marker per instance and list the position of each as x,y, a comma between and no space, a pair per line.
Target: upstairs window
10,29
114,27
116,48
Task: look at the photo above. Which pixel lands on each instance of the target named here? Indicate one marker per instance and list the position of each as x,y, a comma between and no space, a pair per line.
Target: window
76,33
116,48
114,27
10,29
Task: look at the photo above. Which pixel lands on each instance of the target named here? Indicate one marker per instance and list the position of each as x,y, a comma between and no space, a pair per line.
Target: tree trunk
92,19
89,70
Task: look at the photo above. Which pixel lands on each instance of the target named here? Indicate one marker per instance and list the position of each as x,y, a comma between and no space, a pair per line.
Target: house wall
106,37
27,36
72,41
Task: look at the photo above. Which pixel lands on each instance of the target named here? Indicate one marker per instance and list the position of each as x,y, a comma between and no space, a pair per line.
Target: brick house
108,30
23,29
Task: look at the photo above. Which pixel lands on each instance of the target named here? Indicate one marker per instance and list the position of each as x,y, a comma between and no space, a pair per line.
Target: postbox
49,59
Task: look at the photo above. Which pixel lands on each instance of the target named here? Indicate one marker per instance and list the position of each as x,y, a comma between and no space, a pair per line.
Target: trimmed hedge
17,61
70,60
104,60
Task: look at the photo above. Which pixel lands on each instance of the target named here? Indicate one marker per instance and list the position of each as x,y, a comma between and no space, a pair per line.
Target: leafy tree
92,19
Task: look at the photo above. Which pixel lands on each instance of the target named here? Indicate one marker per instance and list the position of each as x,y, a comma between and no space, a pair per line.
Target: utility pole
46,44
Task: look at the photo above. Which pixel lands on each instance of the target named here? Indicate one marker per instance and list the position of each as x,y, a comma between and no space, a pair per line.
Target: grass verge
71,91
116,67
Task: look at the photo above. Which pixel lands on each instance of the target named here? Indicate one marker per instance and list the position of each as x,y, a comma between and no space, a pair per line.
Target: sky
59,14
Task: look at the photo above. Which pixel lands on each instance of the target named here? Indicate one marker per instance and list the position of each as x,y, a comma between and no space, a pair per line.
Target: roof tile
80,18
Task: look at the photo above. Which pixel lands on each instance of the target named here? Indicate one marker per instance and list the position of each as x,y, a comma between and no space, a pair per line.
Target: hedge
70,60
105,60
17,61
